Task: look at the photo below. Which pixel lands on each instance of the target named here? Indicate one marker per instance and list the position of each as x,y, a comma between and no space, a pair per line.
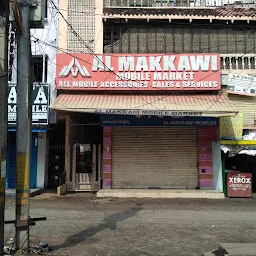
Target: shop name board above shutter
144,72
119,120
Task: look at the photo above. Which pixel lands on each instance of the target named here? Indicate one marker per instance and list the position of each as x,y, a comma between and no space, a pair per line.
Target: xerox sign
146,72
239,185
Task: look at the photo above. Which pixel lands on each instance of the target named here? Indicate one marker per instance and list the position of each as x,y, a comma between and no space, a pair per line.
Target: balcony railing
177,3
238,61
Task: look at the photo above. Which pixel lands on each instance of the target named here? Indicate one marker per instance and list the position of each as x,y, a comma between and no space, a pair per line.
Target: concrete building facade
126,130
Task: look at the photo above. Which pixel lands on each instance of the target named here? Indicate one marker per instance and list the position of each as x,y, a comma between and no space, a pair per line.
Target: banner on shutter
117,120
138,72
40,103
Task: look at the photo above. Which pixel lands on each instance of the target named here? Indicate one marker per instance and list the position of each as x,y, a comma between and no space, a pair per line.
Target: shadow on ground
108,222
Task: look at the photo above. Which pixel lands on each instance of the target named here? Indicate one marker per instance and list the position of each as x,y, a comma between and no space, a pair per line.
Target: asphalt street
81,224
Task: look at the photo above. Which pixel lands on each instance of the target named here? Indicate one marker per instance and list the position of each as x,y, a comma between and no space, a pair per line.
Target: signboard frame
239,185
126,120
242,84
40,103
138,72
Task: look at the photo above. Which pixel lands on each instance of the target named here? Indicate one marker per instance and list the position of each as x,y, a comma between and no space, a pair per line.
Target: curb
12,194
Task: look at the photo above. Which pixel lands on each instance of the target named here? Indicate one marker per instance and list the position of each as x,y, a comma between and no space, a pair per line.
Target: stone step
160,193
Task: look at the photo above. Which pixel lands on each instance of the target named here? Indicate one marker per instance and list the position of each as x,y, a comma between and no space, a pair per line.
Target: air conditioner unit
38,13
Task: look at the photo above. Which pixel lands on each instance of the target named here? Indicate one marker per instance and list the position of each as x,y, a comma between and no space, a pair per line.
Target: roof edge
163,16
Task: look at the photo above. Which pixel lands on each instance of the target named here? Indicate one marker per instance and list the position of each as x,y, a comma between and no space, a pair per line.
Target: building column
67,150
107,157
62,25
206,135
41,157
98,27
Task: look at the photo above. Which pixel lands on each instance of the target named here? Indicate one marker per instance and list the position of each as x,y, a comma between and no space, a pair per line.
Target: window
39,69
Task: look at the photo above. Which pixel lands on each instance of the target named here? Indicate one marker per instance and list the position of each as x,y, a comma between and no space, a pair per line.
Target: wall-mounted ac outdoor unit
38,13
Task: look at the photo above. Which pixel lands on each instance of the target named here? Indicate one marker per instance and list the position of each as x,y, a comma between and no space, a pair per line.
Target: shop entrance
84,153
86,169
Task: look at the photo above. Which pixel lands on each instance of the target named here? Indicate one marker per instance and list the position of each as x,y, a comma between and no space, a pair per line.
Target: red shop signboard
138,72
239,185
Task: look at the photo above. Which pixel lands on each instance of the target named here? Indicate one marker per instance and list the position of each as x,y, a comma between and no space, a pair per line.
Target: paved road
84,225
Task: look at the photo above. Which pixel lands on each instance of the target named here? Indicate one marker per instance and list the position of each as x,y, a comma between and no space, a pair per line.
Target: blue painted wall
11,161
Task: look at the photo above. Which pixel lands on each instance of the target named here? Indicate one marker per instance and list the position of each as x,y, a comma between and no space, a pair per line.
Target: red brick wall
206,135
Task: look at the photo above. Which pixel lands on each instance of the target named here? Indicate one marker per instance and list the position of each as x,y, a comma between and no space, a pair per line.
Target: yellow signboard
232,127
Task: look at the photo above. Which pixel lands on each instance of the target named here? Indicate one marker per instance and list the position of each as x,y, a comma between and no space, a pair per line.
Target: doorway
85,158
86,169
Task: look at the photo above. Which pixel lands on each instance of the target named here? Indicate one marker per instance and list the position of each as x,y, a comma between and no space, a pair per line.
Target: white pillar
41,160
217,166
98,27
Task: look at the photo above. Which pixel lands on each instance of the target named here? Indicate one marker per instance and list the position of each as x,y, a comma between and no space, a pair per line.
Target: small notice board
239,185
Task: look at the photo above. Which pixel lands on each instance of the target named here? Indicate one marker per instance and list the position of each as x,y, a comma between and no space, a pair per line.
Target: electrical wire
88,47
103,63
38,240
7,238
146,102
73,55
108,68
114,72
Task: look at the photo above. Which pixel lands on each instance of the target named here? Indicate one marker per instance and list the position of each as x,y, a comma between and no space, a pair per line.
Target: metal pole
4,17
23,133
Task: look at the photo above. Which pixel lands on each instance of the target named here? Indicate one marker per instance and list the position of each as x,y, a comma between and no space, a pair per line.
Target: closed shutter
11,161
246,105
148,157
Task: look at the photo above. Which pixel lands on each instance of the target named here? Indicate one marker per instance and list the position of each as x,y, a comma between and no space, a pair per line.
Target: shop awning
163,105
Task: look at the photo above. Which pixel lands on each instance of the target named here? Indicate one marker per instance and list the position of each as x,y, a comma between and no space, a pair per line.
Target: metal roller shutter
11,161
148,157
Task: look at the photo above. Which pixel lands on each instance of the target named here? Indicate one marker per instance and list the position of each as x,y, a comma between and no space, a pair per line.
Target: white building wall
45,42
41,160
46,176
217,167
85,18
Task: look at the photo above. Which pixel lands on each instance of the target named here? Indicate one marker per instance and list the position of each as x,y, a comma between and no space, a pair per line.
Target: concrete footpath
82,224
160,193
33,192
